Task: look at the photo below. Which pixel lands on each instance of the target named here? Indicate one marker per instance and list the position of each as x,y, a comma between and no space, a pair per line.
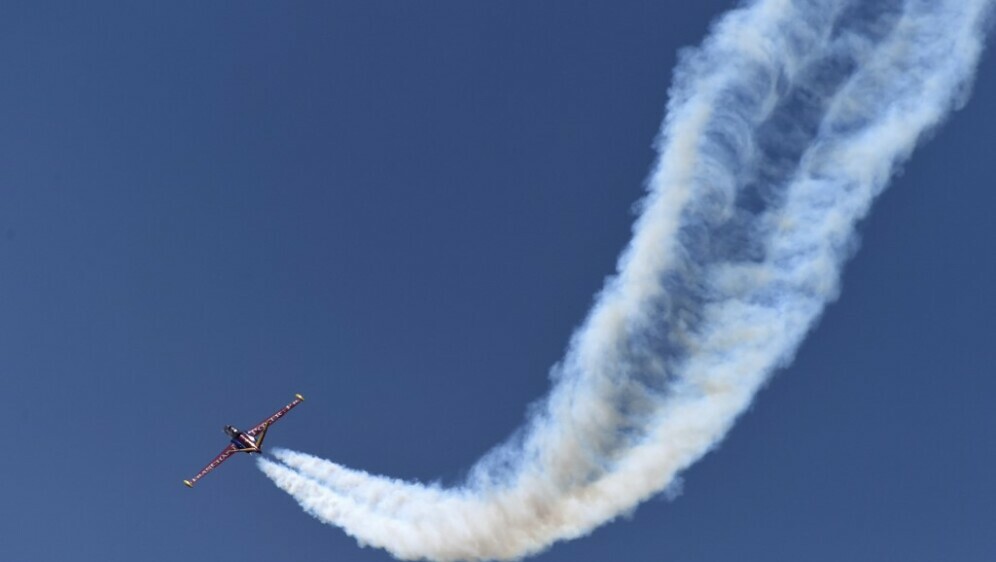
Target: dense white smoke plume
780,131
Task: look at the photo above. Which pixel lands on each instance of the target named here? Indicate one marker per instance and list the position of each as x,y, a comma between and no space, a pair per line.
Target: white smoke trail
780,131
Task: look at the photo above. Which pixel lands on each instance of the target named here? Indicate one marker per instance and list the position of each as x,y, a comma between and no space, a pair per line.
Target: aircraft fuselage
241,439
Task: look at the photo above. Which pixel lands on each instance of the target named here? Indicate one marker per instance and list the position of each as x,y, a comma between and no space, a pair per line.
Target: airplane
245,441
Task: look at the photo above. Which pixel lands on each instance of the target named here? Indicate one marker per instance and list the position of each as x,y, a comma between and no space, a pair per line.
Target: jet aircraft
245,441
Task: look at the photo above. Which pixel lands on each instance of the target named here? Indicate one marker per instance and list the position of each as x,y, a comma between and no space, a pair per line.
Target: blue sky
402,211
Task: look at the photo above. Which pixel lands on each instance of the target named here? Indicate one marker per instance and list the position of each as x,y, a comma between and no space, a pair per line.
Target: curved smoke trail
781,129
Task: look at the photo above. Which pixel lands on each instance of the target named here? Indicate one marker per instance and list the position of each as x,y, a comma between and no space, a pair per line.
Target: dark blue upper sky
401,210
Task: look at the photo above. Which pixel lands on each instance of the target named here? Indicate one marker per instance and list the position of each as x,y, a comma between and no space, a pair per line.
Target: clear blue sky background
401,210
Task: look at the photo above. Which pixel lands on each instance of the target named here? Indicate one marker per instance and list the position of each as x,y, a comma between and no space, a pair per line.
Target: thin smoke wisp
781,129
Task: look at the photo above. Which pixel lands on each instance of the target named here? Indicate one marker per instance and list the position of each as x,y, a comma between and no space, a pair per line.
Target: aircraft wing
227,452
279,414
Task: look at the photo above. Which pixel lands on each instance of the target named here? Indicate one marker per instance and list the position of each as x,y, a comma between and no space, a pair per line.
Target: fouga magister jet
245,441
